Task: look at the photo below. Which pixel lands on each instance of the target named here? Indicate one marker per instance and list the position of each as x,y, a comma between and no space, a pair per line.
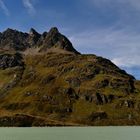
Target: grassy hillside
69,89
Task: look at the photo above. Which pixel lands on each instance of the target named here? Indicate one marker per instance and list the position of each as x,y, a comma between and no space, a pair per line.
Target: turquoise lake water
71,133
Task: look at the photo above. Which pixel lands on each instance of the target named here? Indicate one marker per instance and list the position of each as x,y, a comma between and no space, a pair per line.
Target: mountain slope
64,87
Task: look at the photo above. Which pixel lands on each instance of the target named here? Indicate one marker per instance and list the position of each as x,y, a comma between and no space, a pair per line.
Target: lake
71,133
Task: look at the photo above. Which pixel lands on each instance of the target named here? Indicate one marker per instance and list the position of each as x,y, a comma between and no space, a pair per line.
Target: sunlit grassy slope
70,89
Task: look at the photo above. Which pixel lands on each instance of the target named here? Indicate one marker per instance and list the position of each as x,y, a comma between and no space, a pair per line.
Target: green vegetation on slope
77,89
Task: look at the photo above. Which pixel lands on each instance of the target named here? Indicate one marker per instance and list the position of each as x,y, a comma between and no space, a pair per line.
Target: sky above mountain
109,28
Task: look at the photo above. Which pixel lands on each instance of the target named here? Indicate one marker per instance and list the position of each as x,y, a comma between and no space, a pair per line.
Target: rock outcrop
19,41
13,40
10,60
55,39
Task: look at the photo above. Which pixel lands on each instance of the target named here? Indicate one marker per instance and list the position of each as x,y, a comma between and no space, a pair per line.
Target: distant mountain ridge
19,41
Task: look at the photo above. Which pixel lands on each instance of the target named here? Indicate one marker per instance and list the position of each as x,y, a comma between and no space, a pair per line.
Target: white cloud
4,8
128,62
121,46
29,6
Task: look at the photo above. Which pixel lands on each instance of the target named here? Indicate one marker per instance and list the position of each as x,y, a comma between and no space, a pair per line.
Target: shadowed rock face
34,37
15,40
56,39
10,60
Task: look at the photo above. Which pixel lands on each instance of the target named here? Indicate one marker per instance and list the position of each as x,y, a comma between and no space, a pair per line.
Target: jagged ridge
19,41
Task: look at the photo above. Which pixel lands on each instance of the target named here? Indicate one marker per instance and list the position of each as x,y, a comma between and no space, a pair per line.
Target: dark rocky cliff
19,41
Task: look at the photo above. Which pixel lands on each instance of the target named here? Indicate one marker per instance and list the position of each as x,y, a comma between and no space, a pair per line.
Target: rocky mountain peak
33,32
54,30
9,30
15,40
34,36
54,39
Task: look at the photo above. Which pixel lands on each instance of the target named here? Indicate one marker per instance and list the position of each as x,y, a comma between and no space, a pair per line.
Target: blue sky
108,28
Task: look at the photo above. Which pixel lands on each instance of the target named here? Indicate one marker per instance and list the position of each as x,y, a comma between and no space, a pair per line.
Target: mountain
19,41
44,81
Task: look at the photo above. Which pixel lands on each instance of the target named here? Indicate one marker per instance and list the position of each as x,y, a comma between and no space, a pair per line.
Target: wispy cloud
125,10
4,8
121,46
120,40
29,6
117,3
